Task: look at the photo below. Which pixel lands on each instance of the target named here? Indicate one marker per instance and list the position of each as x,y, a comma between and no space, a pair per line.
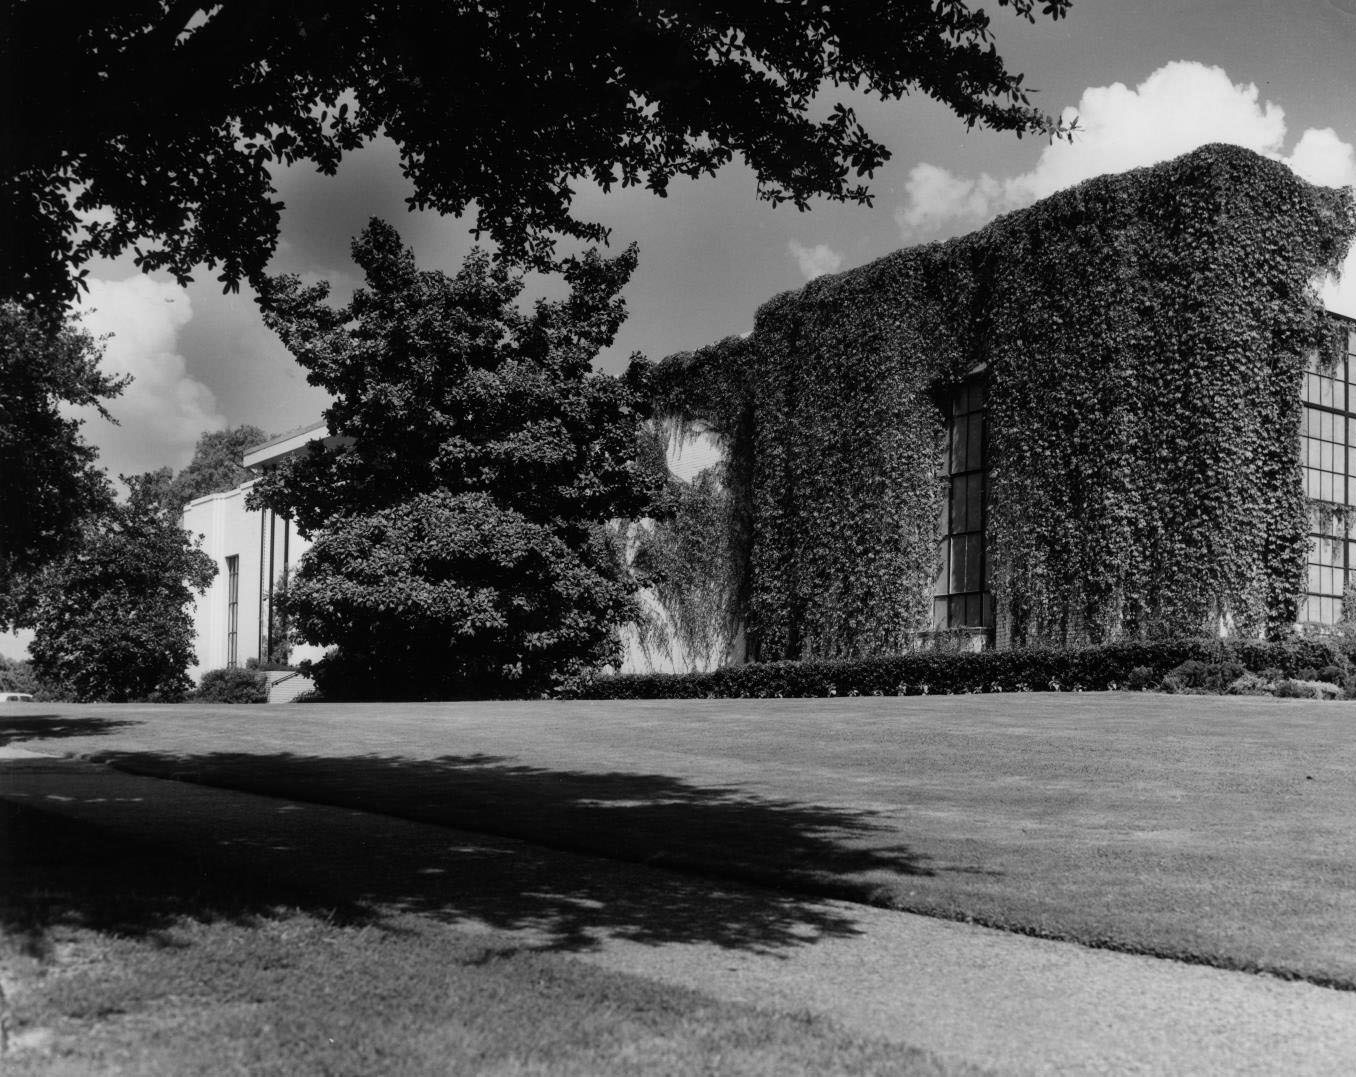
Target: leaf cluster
49,481
156,125
1144,337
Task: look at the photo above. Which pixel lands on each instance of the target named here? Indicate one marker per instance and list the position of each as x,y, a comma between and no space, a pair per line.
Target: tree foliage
475,455
154,124
17,675
49,482
1143,335
685,556
111,619
215,467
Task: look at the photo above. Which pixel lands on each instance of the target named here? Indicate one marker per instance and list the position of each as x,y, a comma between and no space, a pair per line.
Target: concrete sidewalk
1001,1001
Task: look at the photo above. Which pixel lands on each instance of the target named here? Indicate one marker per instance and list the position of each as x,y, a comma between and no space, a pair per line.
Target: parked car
16,697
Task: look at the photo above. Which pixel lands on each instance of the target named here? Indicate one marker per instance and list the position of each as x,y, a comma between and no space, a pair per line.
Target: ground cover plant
1213,829
134,958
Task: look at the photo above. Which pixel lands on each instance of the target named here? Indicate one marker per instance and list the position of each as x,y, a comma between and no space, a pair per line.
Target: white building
255,553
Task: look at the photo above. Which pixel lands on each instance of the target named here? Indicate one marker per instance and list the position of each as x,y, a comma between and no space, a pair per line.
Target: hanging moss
1144,336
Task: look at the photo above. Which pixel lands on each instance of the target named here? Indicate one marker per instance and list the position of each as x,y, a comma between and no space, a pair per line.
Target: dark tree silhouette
166,116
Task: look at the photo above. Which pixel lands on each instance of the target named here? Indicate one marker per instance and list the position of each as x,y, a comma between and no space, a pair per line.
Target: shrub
1251,684
1212,665
1299,688
1197,676
1141,679
232,685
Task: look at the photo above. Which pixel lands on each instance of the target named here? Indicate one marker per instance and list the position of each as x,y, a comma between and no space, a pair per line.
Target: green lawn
126,958
1211,829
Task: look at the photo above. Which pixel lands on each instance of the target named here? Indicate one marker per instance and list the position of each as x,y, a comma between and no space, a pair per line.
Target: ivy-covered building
1119,413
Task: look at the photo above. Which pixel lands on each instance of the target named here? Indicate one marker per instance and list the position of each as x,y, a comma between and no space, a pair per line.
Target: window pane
974,552
939,581
974,503
959,548
976,449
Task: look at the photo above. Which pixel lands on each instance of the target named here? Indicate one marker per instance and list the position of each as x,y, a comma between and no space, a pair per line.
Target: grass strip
156,985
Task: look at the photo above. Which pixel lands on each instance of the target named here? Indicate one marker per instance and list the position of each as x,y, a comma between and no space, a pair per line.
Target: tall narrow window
1329,484
232,609
961,598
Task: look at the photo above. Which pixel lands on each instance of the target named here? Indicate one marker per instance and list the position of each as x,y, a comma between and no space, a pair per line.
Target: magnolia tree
459,512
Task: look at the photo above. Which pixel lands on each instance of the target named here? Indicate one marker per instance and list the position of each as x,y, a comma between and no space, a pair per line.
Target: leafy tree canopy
48,479
475,457
111,619
166,115
215,467
17,675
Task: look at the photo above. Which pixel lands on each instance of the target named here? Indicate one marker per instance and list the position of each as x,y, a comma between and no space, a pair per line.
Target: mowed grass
184,972
1217,830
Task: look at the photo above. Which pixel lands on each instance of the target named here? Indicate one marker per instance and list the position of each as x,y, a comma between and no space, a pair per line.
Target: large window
960,598
232,609
1330,484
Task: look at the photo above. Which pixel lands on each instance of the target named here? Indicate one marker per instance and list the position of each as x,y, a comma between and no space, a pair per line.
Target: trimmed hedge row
1095,668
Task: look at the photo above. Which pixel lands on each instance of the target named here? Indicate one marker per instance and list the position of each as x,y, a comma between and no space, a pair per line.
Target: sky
1148,80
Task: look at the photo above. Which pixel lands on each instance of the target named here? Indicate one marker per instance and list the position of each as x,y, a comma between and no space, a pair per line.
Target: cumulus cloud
164,410
1181,106
815,261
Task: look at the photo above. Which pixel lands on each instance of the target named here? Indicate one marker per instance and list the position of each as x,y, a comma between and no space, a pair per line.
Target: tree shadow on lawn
23,727
361,866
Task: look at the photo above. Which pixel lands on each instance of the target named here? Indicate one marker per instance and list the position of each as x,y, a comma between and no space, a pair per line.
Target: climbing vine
1144,336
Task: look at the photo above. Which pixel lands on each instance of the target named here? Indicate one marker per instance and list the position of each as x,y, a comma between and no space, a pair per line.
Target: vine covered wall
1144,336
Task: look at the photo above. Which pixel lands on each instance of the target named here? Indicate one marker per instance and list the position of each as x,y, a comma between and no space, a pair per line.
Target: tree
460,511
111,619
16,675
215,467
49,483
152,125
685,557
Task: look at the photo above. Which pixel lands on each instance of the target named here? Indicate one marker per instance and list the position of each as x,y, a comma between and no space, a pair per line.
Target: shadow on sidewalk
358,866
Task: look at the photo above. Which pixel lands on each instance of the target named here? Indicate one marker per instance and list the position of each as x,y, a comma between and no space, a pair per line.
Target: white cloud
164,410
1181,106
815,261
